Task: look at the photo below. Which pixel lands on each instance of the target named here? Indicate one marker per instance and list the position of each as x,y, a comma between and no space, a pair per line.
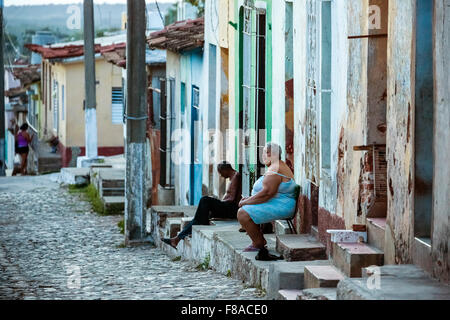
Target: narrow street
48,236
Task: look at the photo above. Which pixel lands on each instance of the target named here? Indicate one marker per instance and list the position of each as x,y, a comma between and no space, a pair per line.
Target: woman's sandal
169,242
264,255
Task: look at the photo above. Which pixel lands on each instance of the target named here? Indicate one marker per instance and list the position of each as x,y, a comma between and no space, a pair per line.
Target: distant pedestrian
23,140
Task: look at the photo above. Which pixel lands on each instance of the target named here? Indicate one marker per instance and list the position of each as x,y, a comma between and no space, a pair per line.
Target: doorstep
396,282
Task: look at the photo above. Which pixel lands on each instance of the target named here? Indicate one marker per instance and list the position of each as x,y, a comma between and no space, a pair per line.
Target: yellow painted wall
71,130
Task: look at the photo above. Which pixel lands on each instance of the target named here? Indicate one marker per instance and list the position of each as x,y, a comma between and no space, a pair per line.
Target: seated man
273,198
209,207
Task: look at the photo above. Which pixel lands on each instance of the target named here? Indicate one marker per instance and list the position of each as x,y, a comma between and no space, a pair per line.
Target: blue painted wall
423,119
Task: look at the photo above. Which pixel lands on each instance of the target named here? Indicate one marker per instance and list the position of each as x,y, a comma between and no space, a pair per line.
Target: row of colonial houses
355,92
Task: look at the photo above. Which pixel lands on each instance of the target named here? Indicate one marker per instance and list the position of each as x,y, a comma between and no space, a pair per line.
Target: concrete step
281,227
315,232
318,294
223,246
111,182
173,226
76,176
376,228
394,282
185,221
114,205
288,294
301,247
289,275
322,277
49,168
50,163
352,257
94,173
161,213
157,215
348,236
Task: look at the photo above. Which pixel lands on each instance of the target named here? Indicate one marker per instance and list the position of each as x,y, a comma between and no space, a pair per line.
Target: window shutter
117,106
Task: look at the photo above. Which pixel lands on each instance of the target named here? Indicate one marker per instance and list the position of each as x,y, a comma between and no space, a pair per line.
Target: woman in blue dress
272,198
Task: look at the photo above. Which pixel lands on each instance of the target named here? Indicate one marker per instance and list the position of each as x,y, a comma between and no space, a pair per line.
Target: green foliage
205,264
94,199
171,15
122,245
91,194
75,188
176,259
121,225
102,32
199,4
229,273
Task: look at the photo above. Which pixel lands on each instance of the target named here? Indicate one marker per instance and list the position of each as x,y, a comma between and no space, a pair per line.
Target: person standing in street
23,140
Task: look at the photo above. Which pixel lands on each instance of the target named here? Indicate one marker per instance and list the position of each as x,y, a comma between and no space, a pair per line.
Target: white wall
278,73
300,18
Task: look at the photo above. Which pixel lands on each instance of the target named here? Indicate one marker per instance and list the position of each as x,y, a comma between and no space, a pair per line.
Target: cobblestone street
48,236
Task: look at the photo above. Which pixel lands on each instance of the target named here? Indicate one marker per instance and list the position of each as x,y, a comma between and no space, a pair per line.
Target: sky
31,2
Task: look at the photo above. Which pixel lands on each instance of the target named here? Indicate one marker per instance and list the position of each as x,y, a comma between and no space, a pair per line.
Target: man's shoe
264,255
169,242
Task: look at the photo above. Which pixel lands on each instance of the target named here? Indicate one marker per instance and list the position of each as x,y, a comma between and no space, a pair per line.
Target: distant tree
171,15
200,5
11,45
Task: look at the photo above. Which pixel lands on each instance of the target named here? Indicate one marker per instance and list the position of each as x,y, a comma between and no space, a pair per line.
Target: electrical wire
12,43
159,11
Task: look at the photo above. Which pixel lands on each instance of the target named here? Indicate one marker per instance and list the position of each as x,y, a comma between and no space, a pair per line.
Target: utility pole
137,180
2,97
89,73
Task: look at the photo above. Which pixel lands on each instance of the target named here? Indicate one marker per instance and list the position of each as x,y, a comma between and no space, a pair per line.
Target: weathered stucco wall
353,129
339,65
109,76
299,12
400,120
441,184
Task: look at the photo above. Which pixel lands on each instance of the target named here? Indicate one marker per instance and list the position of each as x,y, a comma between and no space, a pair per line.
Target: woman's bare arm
271,183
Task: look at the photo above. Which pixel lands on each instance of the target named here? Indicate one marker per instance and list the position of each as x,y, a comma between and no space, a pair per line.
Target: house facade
180,118
63,100
353,92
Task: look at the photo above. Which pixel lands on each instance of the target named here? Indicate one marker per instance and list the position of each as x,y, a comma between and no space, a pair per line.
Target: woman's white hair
273,149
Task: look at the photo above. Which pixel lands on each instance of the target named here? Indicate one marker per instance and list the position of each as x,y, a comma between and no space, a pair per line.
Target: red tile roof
115,54
179,36
59,52
27,75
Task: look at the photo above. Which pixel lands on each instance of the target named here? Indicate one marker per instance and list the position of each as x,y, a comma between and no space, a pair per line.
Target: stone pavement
53,246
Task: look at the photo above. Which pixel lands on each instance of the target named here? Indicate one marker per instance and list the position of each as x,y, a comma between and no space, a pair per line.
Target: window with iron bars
167,120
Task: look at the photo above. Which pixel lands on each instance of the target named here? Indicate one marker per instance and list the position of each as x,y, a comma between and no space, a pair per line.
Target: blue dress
281,206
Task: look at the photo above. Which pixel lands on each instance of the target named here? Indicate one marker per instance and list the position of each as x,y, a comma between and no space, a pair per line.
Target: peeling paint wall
400,127
345,189
353,126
